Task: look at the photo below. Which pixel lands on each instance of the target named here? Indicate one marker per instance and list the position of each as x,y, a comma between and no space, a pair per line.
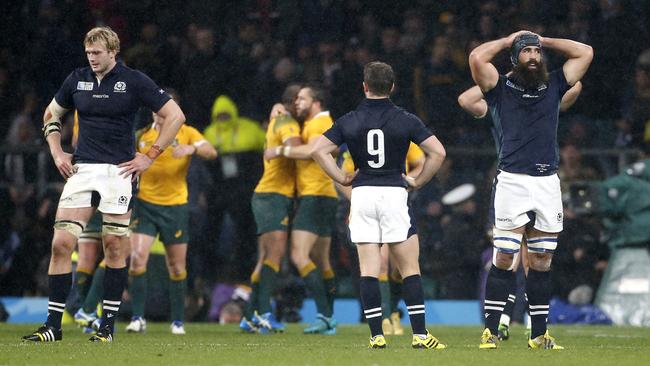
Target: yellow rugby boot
488,340
543,342
427,342
378,341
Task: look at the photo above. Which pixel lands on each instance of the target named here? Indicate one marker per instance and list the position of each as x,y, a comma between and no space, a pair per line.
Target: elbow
475,60
181,117
441,153
314,153
462,101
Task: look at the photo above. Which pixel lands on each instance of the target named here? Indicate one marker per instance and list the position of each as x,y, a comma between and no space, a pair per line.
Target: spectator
239,142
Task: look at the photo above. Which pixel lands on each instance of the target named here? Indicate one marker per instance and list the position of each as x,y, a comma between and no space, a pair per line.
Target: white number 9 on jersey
376,149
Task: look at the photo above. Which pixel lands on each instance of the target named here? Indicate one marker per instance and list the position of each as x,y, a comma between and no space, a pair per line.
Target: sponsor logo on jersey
120,87
178,234
84,85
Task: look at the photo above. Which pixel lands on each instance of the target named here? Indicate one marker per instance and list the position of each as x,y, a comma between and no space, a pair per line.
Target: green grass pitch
212,344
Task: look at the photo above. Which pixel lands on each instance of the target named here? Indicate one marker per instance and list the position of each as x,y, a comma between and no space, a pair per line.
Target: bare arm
174,119
278,108
434,156
285,148
570,96
322,154
579,57
202,148
205,150
471,100
292,149
53,115
484,73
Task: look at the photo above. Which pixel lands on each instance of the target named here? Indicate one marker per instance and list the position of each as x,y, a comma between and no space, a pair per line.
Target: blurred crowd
251,50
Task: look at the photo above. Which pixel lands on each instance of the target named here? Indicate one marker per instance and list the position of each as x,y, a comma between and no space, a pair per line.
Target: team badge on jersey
84,85
120,87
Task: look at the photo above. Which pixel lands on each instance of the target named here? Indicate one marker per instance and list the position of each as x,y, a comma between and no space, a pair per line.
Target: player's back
378,134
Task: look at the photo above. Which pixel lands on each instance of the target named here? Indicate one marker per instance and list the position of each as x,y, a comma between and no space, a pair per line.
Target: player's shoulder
347,120
81,73
187,129
283,120
129,73
323,117
408,116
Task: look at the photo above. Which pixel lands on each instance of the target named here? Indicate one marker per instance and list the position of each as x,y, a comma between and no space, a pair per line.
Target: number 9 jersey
378,134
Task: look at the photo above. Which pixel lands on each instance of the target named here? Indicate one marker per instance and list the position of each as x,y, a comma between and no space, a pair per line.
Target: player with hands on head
524,107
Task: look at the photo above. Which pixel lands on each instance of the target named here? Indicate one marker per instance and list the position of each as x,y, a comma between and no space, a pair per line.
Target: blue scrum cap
522,41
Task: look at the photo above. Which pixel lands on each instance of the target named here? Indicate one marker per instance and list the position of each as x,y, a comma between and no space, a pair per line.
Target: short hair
104,35
318,94
290,93
379,77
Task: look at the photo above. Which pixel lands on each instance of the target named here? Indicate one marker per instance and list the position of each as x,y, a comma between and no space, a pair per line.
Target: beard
301,116
530,78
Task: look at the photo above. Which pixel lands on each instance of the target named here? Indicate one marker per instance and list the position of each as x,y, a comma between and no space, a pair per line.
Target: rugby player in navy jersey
472,101
101,173
524,107
378,134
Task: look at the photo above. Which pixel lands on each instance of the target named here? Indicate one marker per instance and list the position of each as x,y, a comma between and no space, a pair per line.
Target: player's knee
62,246
540,262
502,260
540,252
138,262
298,258
176,269
113,248
276,251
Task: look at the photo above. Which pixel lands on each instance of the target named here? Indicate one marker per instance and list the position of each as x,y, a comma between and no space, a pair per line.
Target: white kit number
376,148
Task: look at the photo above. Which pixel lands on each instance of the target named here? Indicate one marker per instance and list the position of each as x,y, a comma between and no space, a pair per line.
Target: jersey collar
321,114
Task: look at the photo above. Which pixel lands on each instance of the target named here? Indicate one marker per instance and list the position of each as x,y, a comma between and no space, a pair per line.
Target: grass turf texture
212,344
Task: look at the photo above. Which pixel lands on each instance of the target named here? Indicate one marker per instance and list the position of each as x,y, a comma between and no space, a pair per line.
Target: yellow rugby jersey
75,126
279,173
311,179
413,154
164,183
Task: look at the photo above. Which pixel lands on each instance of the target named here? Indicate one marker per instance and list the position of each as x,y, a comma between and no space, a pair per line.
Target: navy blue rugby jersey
378,134
107,111
526,123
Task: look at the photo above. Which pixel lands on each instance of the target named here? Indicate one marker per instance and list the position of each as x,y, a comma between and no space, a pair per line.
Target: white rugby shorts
114,191
379,215
515,195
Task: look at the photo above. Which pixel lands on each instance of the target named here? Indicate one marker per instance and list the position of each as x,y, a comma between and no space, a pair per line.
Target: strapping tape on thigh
507,241
542,244
116,228
73,227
